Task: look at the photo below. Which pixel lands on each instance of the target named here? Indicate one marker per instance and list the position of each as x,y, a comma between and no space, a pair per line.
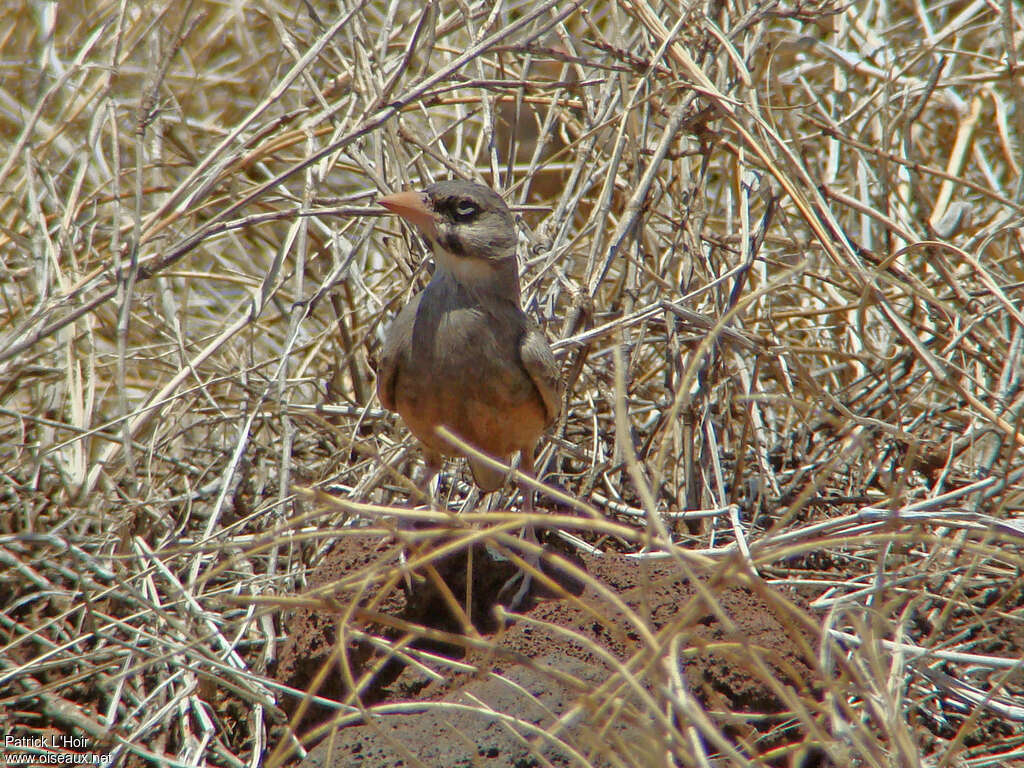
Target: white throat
472,273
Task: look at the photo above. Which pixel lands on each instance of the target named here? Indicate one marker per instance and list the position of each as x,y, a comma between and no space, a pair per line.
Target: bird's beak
415,208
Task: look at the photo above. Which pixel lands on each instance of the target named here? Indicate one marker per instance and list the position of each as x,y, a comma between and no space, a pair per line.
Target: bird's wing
543,369
396,342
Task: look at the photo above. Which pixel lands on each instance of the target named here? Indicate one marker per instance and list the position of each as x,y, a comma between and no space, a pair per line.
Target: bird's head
468,225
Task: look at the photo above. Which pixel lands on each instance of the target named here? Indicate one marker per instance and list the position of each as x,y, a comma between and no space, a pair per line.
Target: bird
462,354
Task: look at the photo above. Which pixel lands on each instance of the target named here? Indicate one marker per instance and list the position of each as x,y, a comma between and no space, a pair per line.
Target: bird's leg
433,485
528,534
431,488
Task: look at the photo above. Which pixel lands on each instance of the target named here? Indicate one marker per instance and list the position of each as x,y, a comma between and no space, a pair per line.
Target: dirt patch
573,677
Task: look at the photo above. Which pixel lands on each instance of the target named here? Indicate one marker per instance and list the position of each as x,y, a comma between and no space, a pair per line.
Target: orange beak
414,208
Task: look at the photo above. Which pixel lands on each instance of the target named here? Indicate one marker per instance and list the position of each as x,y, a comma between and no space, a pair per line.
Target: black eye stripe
462,209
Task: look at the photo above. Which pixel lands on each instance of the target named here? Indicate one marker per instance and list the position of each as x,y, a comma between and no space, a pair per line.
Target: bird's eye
465,210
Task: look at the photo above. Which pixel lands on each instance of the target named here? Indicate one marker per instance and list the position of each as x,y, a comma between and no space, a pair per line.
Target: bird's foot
403,562
525,587
519,598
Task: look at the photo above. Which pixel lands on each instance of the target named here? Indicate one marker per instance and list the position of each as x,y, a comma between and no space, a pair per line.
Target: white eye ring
465,209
